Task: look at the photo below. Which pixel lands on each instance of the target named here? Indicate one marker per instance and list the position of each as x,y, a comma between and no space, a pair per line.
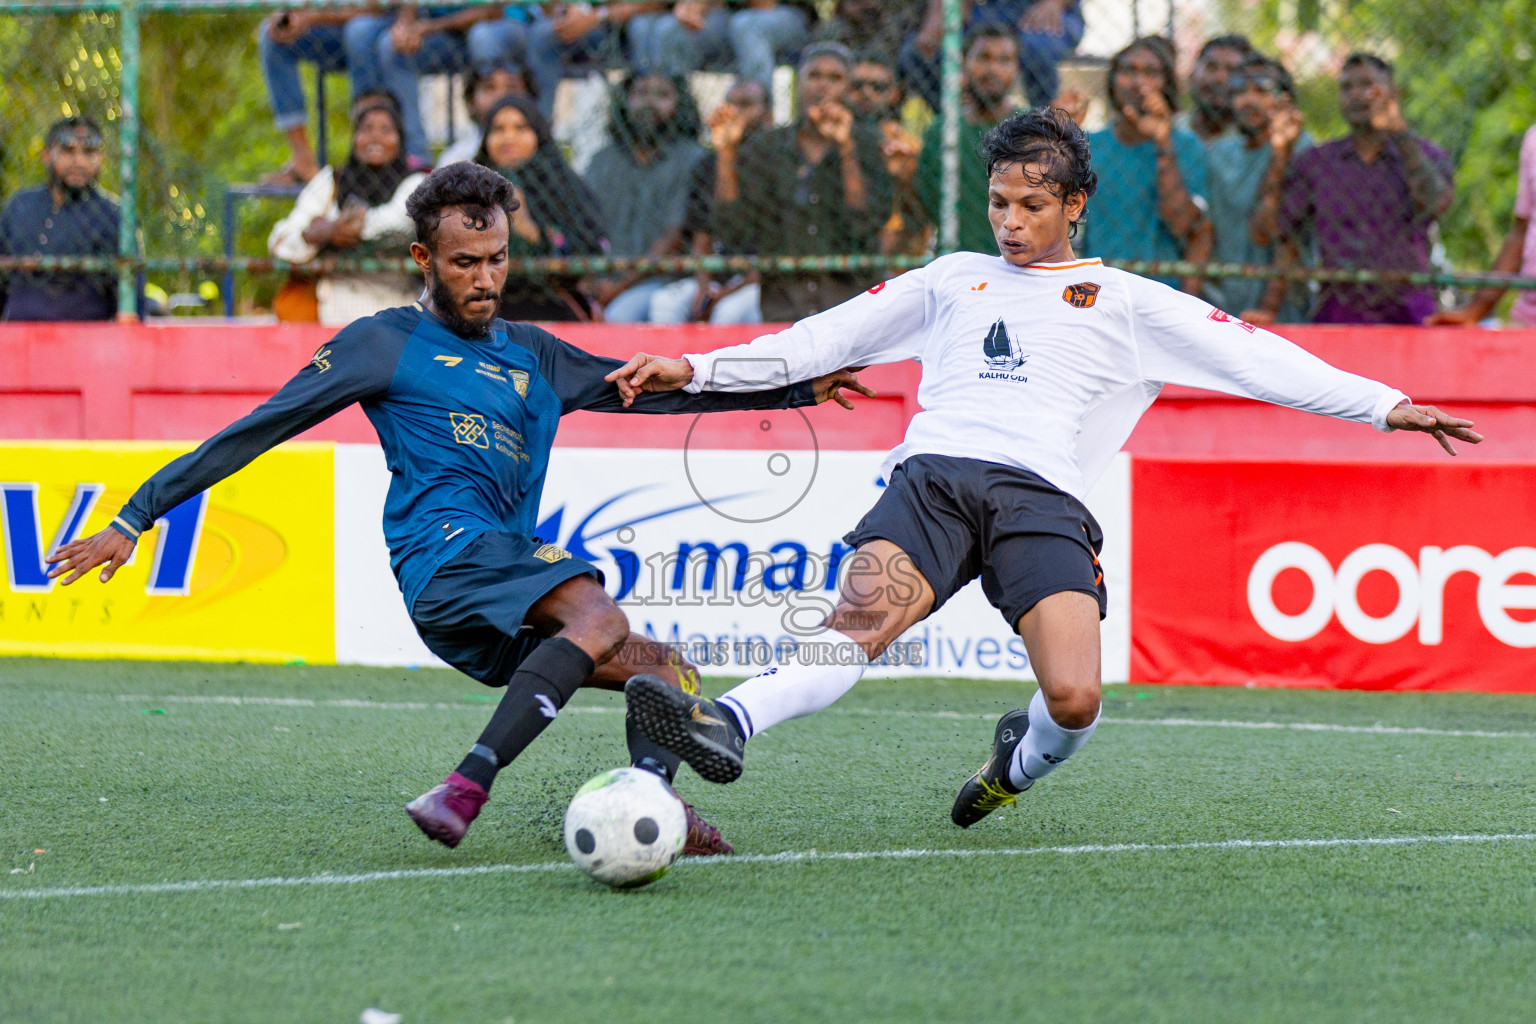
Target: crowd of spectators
1234,177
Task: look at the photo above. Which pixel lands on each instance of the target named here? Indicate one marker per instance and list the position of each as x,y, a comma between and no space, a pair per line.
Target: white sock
794,690
1045,745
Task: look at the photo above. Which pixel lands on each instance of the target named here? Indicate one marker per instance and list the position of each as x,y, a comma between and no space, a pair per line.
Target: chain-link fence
732,161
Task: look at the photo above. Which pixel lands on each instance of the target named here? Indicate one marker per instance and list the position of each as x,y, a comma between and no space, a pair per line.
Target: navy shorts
471,613
962,518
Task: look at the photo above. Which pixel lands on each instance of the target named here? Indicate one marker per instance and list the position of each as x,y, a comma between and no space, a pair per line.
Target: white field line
1190,723
787,857
1378,728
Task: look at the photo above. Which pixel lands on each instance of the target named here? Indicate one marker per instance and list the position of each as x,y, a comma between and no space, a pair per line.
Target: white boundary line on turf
787,857
1193,723
1379,729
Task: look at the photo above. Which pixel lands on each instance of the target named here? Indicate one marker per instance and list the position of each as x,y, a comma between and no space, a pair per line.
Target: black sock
650,755
539,688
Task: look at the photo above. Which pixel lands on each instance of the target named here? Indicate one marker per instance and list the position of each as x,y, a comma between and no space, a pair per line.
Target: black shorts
471,613
963,518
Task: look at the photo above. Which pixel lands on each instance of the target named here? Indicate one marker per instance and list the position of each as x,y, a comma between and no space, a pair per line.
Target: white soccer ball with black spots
625,828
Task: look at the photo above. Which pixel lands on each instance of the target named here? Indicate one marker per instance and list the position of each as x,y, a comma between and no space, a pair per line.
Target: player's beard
448,310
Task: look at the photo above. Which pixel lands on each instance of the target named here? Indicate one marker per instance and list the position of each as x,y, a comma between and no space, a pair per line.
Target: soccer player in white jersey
1036,366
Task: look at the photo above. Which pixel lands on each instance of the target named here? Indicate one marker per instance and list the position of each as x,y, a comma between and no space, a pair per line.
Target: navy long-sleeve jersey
466,425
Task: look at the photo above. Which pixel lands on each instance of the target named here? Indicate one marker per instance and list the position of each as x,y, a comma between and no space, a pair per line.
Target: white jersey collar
1046,268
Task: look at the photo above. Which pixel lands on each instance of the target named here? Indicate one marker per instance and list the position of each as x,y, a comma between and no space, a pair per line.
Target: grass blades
138,774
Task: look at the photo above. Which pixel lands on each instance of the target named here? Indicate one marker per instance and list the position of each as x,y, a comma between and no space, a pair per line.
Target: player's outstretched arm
106,548
886,324
358,363
1184,340
647,373
1441,426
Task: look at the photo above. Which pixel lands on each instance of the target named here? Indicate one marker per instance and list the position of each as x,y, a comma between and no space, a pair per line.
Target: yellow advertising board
243,572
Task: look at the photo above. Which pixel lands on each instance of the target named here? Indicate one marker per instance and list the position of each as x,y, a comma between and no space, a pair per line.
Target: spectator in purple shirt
1368,201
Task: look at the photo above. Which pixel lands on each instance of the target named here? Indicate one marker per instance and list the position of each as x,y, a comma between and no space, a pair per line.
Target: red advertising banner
1361,576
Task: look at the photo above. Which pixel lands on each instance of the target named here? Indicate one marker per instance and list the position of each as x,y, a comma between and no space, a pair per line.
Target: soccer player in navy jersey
466,406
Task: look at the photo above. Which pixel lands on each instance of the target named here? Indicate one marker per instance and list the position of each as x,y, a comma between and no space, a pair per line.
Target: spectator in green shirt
990,73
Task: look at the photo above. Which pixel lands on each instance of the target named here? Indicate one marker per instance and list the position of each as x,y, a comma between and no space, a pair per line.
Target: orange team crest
1081,295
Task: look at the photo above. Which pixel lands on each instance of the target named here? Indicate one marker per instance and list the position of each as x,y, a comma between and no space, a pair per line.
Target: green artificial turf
122,785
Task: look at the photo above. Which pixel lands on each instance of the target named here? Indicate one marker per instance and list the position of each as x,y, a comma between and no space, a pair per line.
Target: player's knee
872,631
612,626
1074,704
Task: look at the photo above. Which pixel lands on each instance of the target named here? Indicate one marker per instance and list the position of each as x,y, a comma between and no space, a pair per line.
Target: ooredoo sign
1410,576
1420,592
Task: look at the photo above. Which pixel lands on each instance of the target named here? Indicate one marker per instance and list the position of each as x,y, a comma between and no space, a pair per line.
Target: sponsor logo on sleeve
877,289
551,553
1081,295
1227,318
321,359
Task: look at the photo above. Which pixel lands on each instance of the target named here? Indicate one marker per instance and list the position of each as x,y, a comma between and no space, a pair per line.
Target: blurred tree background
205,122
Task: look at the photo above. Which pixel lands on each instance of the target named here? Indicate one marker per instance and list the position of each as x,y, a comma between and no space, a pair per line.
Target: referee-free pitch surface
227,843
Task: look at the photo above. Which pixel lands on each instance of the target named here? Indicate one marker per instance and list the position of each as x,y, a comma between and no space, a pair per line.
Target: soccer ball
625,828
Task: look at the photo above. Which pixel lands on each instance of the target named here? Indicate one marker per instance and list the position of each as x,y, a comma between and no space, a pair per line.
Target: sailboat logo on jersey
1001,351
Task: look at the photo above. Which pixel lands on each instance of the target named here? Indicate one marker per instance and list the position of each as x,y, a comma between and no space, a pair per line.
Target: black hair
65,126
1158,47
1259,62
475,75
872,55
987,30
685,123
1240,43
477,191
373,98
827,48
1362,59
1048,138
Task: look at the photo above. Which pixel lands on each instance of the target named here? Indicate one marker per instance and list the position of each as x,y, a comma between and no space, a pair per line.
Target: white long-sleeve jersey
1045,367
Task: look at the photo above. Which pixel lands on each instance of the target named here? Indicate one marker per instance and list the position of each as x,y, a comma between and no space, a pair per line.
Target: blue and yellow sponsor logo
469,428
242,571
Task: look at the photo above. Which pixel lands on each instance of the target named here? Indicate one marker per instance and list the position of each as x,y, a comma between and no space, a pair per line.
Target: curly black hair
476,191
1048,138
